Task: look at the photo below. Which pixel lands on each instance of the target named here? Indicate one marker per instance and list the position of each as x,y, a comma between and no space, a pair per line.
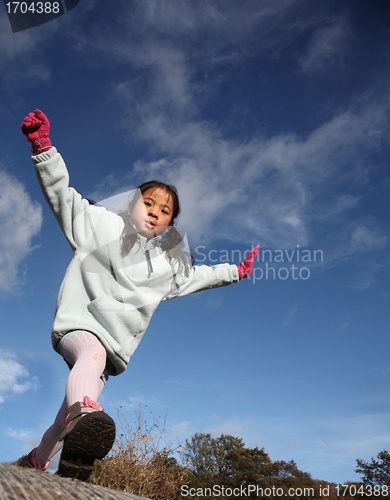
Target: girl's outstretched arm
71,210
205,277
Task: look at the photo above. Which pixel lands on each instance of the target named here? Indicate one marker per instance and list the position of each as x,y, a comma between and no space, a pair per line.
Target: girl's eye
165,212
147,203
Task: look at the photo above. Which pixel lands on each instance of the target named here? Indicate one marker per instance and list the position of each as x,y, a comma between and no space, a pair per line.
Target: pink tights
87,355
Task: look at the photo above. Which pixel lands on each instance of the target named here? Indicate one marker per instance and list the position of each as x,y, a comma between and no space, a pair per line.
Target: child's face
152,213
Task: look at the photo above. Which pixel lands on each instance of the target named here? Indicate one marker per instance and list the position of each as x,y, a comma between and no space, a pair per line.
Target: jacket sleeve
78,220
206,277
64,201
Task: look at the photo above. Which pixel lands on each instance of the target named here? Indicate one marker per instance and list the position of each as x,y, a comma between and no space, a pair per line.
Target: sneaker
89,435
31,462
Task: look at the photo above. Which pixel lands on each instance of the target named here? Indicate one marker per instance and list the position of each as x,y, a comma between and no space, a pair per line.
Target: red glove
36,127
245,268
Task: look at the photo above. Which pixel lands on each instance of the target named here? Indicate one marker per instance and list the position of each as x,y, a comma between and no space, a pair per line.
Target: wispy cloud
15,378
291,314
366,237
22,435
338,440
21,62
275,189
20,222
362,242
328,48
278,188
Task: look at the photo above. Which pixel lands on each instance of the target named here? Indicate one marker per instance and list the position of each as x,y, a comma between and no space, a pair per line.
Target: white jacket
111,296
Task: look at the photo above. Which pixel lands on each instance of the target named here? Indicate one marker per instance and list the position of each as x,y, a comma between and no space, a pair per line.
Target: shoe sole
91,439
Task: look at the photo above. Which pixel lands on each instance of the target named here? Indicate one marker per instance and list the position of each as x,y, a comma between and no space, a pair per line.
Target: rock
19,483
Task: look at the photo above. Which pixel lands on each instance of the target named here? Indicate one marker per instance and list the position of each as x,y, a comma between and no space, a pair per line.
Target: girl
124,265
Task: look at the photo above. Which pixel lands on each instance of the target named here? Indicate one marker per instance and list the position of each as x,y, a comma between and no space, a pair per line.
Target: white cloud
360,241
235,427
14,45
328,48
21,59
273,189
367,275
19,434
217,31
343,439
278,189
291,314
15,378
20,222
365,238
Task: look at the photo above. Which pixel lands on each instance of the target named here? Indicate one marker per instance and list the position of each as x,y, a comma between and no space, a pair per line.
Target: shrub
139,464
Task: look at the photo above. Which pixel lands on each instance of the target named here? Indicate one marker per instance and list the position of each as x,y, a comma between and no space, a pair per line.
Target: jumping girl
124,265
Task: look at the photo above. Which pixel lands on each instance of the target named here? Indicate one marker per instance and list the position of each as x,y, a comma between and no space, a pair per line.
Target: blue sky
272,119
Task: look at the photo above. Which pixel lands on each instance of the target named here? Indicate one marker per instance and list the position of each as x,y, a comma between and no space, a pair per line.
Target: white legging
87,356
